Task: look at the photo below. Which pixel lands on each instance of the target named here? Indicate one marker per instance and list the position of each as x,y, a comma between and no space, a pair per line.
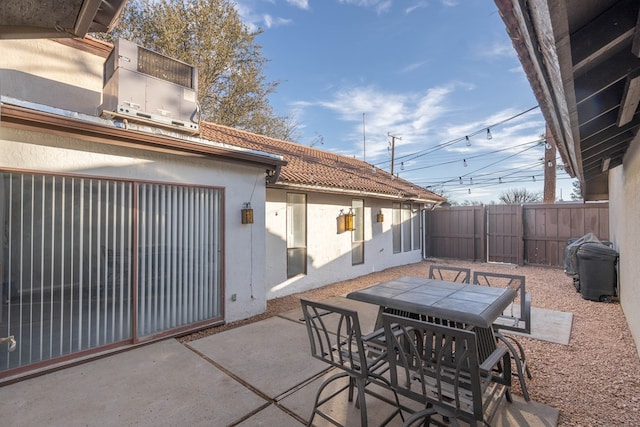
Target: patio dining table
463,303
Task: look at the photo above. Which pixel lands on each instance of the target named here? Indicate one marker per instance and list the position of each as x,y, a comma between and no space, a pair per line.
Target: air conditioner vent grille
156,65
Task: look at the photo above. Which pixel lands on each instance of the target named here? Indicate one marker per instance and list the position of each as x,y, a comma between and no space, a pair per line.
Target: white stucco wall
50,73
624,216
244,245
328,253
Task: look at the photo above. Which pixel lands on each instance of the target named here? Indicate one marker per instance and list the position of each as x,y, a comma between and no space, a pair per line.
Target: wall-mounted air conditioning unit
145,86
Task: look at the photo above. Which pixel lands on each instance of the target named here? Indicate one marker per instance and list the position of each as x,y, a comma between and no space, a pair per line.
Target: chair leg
351,385
361,383
319,402
520,361
521,355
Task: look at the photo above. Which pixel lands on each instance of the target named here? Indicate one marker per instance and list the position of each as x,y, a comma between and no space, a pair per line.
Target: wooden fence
518,234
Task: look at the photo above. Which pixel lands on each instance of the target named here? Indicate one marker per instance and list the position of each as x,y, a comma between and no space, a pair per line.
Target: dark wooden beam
605,75
601,103
596,167
635,44
607,149
598,125
607,134
612,28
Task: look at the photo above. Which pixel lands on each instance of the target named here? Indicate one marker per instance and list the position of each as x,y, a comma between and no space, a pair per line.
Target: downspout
272,177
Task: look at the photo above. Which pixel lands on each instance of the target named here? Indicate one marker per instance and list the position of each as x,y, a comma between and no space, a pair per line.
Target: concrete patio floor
260,374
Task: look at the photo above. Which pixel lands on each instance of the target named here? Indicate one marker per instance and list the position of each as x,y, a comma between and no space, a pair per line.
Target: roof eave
19,117
549,79
356,193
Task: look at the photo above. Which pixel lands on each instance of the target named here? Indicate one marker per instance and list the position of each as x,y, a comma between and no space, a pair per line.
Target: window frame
357,245
300,251
405,227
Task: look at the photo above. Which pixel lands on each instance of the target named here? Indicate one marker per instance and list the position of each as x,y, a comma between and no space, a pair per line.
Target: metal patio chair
512,320
450,274
440,367
335,338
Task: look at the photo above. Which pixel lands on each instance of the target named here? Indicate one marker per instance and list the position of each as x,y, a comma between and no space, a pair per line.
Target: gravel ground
594,381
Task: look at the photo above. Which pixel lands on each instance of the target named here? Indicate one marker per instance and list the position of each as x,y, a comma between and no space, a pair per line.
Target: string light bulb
489,136
460,180
468,140
534,178
500,180
464,162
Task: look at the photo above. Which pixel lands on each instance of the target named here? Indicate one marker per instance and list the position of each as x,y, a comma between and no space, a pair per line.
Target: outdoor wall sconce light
349,220
346,221
380,216
247,214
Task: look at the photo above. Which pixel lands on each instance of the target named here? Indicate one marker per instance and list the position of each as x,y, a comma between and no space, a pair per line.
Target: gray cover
571,258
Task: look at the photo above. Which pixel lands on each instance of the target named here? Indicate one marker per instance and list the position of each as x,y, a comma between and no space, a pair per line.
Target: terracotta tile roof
321,170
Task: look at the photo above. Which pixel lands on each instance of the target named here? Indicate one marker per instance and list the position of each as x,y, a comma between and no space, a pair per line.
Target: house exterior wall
50,73
624,187
328,252
244,258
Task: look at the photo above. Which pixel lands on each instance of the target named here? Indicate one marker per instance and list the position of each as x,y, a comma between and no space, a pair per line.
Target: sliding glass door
67,262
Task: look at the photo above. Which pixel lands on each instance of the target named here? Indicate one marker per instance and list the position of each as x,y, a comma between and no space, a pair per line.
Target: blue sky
353,72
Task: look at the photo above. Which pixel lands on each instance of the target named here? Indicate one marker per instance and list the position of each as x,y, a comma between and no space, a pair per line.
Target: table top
460,302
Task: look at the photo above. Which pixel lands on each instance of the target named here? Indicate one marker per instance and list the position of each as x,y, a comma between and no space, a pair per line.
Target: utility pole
364,141
393,149
549,168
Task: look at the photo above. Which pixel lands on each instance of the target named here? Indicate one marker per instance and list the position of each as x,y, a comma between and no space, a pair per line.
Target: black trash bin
597,271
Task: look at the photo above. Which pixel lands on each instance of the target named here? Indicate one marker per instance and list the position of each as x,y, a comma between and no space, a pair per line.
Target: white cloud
412,67
380,6
504,49
430,107
418,5
271,22
409,115
302,4
254,19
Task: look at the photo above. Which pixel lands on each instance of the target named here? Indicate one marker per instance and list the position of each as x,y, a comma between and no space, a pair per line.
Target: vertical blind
179,256
60,292
66,262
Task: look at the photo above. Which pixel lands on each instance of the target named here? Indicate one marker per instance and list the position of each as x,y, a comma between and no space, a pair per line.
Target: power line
437,147
473,157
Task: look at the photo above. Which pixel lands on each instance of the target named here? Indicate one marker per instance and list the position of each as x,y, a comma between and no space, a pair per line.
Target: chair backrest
448,273
435,365
516,320
335,336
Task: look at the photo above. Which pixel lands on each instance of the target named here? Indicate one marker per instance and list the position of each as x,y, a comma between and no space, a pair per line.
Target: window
405,227
296,234
357,235
396,222
417,238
